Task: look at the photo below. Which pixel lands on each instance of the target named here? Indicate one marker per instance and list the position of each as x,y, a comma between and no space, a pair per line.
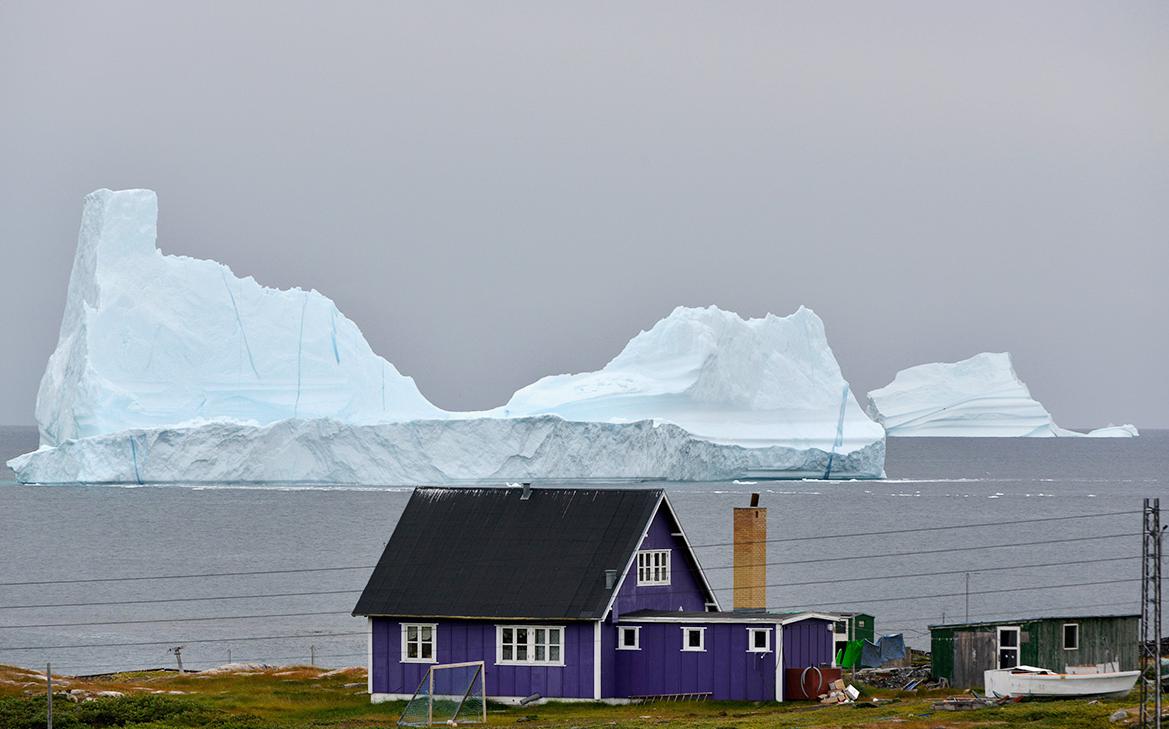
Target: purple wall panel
725,668
685,589
474,640
807,643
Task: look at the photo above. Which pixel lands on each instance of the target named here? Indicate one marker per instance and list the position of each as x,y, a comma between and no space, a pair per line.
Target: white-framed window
628,638
529,645
1071,636
694,639
418,642
758,640
653,567
1008,647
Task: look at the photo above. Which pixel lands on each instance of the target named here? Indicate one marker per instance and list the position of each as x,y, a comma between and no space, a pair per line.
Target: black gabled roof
489,553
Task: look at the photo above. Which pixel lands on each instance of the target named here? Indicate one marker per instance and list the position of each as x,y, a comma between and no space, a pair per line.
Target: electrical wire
78,580
176,620
173,641
914,530
179,599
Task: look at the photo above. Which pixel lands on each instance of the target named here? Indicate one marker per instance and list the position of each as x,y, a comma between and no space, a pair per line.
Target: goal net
449,694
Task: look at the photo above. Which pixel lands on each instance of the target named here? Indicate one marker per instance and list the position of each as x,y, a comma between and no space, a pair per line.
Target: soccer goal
449,694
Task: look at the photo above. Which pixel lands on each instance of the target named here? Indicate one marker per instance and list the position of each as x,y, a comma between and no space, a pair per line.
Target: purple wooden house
570,593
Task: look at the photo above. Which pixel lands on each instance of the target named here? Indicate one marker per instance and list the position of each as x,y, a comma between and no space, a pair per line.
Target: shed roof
1034,619
489,553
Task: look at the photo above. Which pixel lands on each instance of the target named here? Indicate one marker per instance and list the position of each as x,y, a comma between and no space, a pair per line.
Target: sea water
825,553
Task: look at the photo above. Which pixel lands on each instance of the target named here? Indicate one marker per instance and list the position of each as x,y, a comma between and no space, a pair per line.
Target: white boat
1042,683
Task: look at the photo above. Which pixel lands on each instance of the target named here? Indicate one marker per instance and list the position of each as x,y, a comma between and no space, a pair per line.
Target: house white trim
597,661
369,658
710,594
999,647
693,555
530,645
1063,636
636,630
404,657
653,567
779,675
686,632
736,618
751,633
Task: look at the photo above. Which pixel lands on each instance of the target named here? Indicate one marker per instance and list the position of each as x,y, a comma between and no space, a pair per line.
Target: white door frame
1017,648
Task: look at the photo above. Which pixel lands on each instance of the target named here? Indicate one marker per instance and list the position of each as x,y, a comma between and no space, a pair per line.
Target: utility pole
178,651
312,650
49,683
967,597
1151,542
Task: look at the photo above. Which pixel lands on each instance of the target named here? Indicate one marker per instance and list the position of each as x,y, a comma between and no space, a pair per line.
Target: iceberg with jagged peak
170,369
980,396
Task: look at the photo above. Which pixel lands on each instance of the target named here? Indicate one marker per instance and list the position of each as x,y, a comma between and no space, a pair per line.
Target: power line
708,569
174,641
921,529
1077,606
864,601
175,620
780,584
948,572
78,580
243,573
854,558
179,599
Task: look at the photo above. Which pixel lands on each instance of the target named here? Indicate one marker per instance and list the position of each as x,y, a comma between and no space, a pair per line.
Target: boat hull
1050,685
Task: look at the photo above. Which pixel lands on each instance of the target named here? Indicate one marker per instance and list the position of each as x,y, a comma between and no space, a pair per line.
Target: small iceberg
977,397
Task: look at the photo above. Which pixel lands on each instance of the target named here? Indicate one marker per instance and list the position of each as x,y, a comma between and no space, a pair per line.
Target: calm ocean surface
71,532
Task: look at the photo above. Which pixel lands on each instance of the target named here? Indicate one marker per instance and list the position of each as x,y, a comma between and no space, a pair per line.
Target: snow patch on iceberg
172,369
979,396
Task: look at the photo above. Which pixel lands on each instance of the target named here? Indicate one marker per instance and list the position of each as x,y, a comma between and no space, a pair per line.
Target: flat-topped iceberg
172,369
980,396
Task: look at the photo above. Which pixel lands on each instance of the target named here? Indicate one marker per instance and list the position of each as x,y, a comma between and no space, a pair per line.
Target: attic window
1071,636
418,642
653,567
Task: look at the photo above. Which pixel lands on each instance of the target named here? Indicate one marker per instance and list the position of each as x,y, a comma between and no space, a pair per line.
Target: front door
1008,647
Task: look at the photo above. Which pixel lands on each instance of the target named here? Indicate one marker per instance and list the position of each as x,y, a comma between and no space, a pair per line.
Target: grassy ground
301,696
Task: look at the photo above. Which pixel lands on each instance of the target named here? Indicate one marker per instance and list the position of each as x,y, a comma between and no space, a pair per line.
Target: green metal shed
961,652
854,626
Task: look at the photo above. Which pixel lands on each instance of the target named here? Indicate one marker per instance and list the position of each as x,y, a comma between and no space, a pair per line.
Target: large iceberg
172,369
980,396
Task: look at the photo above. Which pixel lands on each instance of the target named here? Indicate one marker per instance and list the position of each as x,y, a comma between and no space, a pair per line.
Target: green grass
283,698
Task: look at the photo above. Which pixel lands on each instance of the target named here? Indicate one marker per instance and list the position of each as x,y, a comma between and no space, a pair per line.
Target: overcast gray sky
499,191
